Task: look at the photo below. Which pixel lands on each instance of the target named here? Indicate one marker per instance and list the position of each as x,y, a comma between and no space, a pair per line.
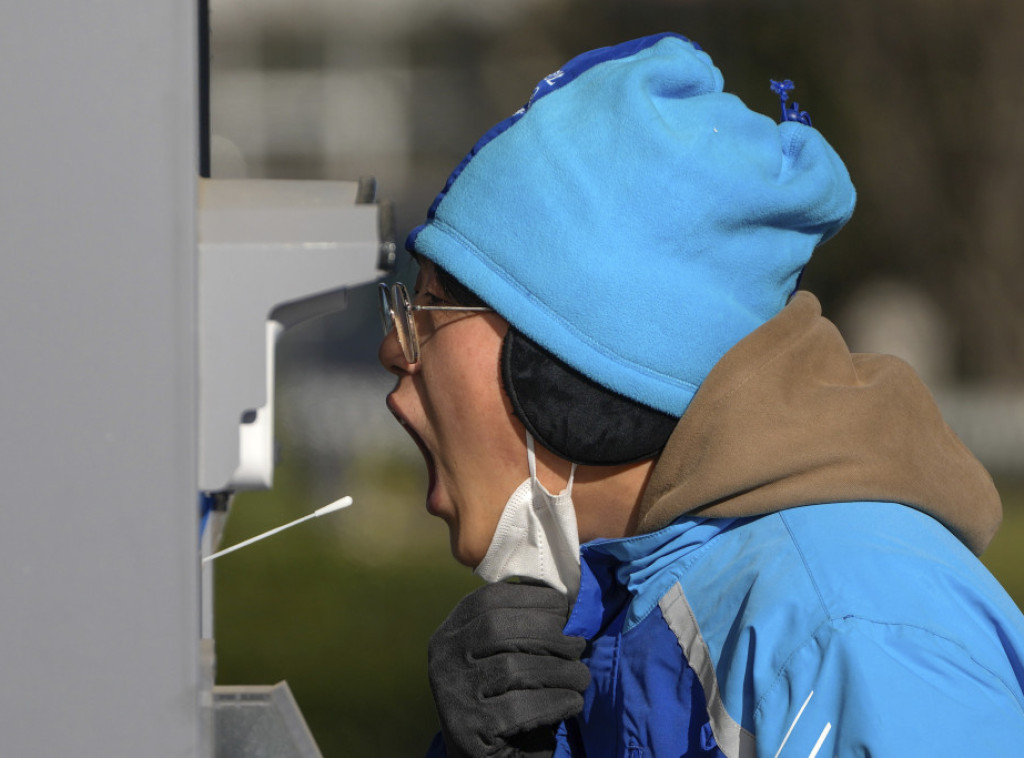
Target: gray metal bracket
272,253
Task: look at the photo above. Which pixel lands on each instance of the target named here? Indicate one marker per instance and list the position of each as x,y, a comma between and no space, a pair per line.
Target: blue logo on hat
789,113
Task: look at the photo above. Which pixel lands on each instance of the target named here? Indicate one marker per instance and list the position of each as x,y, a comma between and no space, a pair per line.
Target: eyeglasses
396,312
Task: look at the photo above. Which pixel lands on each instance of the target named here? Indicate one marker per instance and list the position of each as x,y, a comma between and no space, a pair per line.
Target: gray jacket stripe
732,739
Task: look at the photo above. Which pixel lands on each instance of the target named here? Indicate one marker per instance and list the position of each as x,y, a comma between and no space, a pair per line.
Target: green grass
350,640
345,620
1005,556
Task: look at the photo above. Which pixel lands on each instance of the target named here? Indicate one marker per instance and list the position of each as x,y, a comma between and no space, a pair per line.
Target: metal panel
99,601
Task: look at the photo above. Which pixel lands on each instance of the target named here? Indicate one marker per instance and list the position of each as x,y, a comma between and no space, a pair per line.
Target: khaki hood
790,417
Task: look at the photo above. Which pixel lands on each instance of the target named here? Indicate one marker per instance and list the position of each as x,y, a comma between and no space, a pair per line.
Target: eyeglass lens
387,320
395,313
405,326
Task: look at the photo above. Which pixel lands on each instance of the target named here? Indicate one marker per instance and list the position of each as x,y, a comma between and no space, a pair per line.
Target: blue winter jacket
844,629
803,582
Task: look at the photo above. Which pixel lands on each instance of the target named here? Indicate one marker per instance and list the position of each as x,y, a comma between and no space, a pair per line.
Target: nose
392,357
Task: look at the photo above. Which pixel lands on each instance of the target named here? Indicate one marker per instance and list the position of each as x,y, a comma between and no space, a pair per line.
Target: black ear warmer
574,417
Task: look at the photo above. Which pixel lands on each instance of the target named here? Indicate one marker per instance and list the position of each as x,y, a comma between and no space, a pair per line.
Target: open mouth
428,458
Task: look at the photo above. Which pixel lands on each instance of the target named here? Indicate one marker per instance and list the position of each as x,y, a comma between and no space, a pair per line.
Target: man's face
452,404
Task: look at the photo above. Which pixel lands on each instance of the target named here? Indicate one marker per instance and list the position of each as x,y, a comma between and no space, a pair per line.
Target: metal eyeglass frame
396,312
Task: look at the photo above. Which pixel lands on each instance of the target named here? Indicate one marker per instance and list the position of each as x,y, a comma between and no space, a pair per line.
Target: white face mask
536,537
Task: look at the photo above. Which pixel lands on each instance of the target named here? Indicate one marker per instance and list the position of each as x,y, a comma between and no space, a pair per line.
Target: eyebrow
416,284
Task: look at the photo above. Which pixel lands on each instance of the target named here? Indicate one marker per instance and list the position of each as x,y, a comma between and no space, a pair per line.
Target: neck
607,498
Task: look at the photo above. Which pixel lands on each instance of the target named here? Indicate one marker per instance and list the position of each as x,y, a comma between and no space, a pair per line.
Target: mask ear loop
531,459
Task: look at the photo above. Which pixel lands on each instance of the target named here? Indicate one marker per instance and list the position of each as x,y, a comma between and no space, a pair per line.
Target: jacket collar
635,572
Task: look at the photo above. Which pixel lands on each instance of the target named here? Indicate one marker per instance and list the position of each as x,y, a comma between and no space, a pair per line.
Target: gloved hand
503,674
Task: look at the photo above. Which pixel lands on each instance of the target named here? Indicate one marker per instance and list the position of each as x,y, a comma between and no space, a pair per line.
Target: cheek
481,443
477,429
464,375
484,412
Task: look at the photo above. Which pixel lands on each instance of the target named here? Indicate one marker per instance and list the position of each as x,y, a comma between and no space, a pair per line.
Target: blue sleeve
568,743
565,746
863,688
437,748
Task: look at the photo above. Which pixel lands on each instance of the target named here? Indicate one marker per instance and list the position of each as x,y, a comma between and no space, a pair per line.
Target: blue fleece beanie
635,220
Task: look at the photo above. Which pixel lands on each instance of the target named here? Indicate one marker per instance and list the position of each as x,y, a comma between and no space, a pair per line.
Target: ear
571,415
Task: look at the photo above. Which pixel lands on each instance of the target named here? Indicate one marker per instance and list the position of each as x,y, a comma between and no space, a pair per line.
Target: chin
464,554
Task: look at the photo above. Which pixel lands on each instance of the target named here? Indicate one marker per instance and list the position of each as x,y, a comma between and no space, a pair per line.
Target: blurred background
920,97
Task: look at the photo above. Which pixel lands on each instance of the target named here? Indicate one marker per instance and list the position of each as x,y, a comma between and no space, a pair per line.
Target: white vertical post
99,609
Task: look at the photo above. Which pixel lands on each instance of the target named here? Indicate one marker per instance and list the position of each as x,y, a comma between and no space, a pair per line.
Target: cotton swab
337,505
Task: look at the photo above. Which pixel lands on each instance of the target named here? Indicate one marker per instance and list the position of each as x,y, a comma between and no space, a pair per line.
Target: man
776,535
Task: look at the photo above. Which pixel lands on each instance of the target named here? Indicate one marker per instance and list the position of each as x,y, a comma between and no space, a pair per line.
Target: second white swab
337,505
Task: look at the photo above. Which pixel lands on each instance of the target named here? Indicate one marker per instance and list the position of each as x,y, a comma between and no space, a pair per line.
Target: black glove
503,674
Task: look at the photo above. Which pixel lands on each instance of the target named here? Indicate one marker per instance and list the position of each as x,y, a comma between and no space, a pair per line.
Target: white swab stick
337,505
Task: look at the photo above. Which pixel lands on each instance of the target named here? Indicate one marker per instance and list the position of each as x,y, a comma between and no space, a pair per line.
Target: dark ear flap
574,417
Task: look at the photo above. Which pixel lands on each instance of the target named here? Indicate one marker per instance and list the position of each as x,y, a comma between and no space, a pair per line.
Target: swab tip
337,505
